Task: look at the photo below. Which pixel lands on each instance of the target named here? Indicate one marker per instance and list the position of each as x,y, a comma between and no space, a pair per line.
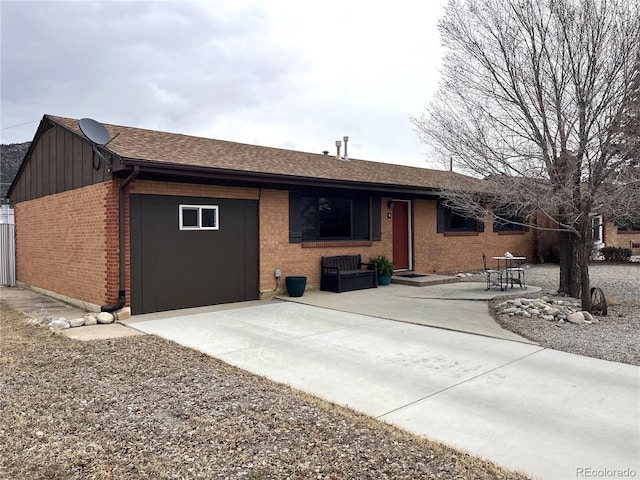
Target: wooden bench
344,273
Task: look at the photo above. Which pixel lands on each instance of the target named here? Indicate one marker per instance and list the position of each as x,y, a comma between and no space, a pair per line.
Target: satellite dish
94,131
99,136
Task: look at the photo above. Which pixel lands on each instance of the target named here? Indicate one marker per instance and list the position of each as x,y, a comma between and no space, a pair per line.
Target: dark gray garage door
189,252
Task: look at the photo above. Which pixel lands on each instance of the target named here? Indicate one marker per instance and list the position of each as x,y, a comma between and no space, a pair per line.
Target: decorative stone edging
554,310
62,323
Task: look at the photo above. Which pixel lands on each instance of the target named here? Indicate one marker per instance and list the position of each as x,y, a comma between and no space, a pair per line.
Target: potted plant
296,286
384,267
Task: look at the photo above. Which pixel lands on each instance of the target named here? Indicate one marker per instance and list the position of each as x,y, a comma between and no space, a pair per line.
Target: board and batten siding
58,161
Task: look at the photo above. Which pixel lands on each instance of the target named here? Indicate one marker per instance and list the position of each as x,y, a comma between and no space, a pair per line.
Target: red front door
400,217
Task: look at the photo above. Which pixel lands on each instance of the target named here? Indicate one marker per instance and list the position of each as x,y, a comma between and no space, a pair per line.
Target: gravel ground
144,407
615,337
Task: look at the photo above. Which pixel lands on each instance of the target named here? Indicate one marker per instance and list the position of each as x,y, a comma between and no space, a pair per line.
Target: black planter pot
296,286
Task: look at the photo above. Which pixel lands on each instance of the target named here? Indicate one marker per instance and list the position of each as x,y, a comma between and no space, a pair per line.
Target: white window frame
200,208
597,222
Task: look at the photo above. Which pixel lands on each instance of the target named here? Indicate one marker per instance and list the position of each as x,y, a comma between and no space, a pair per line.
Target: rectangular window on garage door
199,217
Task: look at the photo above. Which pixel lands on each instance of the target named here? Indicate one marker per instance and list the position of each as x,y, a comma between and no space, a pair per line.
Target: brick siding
433,252
301,259
449,253
61,241
619,238
75,251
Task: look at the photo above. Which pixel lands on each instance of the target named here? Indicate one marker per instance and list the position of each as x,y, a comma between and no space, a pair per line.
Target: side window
631,225
454,222
509,223
198,217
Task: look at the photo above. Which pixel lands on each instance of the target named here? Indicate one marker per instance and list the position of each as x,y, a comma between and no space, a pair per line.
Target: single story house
160,221
606,233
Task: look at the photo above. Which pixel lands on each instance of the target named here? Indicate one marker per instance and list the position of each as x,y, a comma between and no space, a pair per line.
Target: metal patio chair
491,274
515,274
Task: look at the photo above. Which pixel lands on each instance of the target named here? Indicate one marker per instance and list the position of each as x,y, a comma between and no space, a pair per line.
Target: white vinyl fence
7,247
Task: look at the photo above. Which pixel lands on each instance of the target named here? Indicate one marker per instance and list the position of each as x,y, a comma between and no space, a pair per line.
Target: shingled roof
172,150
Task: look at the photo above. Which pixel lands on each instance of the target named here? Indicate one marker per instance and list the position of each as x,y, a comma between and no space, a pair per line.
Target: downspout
122,293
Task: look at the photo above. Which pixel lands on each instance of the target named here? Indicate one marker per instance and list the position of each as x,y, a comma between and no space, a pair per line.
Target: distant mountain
11,156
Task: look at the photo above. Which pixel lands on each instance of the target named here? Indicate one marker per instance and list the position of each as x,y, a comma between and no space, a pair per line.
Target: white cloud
280,73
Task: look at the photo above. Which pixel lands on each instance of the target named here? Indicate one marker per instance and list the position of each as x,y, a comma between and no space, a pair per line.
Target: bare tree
533,97
619,203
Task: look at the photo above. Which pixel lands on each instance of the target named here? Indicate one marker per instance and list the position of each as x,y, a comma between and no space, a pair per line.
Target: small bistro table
513,271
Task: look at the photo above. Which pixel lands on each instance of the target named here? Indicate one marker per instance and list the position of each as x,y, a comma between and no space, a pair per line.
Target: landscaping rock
60,323
90,320
553,310
575,318
76,322
105,317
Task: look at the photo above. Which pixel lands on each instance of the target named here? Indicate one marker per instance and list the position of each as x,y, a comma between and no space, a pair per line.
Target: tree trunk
583,251
584,283
574,260
570,268
574,267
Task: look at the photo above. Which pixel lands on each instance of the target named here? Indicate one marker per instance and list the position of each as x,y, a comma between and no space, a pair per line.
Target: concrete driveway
458,306
550,414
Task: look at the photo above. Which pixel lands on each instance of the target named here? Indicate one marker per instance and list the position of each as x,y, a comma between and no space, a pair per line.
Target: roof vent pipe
338,143
325,152
346,139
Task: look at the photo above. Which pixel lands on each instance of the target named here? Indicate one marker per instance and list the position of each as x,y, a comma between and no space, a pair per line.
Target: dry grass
143,407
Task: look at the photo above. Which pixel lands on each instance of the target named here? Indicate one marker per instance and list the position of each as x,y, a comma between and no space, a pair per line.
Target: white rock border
62,323
559,311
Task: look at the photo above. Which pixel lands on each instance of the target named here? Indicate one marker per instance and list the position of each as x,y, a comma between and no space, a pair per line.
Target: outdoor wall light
390,204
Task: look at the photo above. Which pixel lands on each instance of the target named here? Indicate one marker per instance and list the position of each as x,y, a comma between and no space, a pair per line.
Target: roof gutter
274,179
122,291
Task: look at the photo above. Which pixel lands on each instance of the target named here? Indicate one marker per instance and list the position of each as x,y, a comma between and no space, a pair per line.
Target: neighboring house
610,234
177,221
